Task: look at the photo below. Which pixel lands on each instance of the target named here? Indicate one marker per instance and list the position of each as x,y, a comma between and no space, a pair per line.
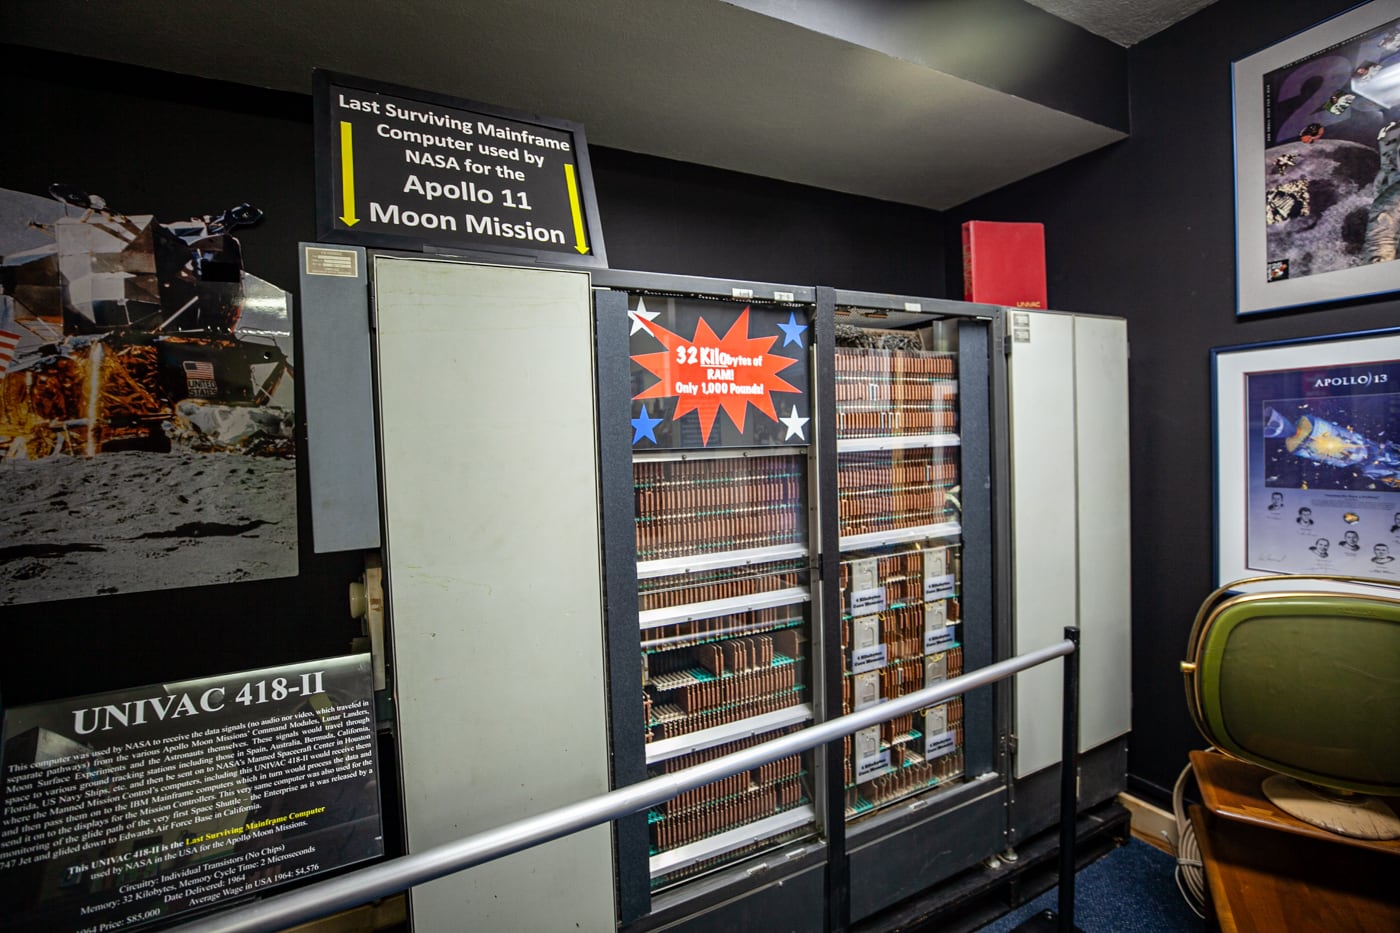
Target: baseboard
1146,790
1151,824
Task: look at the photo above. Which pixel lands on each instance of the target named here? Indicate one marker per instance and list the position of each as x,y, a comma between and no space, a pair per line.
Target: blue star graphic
645,426
792,331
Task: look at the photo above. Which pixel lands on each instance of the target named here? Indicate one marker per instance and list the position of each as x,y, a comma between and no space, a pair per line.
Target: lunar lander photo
126,333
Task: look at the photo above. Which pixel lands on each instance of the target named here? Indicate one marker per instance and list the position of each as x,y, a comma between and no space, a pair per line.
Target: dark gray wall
1145,230
174,146
664,216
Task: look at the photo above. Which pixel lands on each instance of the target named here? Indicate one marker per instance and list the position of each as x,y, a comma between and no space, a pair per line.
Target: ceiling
925,103
1126,22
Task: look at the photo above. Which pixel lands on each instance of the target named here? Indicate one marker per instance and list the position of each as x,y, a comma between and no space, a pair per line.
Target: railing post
1069,777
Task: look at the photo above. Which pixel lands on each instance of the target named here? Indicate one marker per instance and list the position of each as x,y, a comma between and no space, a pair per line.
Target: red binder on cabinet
1004,263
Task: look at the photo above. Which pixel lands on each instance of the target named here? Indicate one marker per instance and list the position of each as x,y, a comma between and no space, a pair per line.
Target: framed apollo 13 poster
1317,163
1307,457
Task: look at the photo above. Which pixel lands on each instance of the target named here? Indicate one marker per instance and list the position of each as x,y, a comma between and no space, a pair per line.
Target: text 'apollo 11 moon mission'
436,174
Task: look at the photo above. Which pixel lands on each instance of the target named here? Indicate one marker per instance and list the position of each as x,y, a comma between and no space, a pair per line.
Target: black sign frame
134,806
331,189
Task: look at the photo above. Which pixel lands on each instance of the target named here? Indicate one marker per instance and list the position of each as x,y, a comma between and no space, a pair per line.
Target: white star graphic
641,317
794,425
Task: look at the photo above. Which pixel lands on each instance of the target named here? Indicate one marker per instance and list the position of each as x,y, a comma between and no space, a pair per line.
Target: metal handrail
360,887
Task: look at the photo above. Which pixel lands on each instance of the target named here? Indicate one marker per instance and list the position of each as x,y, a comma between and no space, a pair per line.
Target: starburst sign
708,373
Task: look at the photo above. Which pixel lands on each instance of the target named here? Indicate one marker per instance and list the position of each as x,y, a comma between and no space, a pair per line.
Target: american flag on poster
9,342
199,379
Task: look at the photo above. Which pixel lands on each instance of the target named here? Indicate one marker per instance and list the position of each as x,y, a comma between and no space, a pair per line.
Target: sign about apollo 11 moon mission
403,168
123,808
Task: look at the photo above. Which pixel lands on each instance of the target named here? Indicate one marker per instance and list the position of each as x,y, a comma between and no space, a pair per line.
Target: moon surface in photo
1341,177
77,527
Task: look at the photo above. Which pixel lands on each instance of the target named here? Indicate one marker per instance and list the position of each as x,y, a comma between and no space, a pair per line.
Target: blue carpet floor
1129,890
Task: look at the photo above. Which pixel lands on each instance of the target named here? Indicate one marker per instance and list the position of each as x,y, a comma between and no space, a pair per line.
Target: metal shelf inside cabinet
853,445
717,453
947,793
692,563
728,841
939,650
653,618
674,680
901,739
901,535
943,784
729,732
905,604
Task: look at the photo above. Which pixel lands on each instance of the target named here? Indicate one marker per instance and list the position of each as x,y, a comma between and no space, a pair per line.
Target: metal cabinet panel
1044,520
791,904
1070,523
890,868
490,494
1101,419
335,367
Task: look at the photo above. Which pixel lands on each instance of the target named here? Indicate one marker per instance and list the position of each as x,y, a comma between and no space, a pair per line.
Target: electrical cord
1190,877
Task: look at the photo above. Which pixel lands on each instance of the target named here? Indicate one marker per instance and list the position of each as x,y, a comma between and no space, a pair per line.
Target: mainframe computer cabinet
872,576
1067,380
909,572
714,607
586,585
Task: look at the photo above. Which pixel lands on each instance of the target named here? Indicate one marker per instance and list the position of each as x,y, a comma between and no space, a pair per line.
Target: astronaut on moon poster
1332,157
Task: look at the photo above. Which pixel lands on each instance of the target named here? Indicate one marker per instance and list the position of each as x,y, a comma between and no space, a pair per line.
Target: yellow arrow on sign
347,176
580,239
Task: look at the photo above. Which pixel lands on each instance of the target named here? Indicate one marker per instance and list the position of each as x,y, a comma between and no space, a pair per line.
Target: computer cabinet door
1069,478
485,392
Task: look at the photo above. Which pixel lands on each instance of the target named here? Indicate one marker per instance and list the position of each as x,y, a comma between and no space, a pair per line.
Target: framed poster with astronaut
1307,457
1317,181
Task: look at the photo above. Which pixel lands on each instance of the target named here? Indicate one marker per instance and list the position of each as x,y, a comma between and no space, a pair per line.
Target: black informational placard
123,808
408,169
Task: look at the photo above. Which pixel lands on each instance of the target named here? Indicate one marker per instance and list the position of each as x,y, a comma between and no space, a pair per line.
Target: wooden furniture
1268,872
